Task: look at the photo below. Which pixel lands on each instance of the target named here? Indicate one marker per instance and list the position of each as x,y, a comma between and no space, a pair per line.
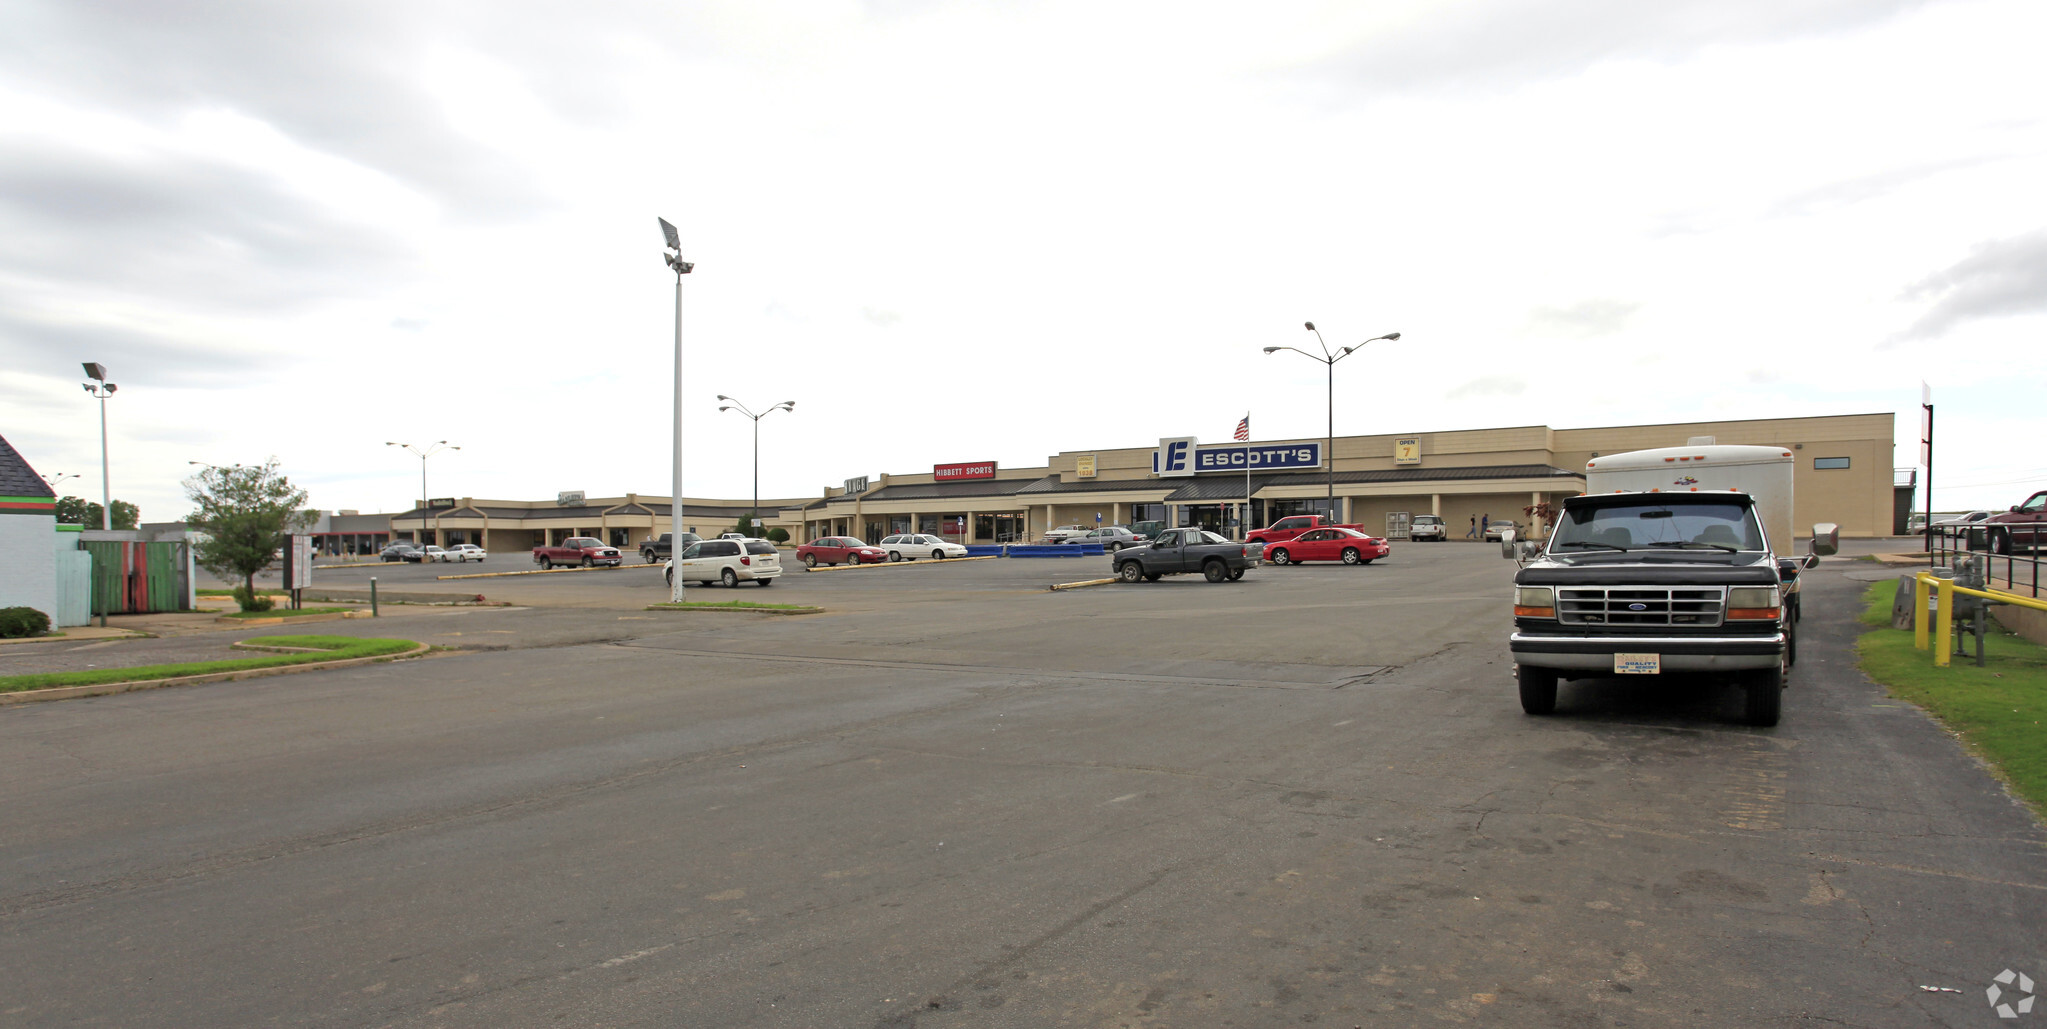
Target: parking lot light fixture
672,254
101,388
734,405
429,451
1329,359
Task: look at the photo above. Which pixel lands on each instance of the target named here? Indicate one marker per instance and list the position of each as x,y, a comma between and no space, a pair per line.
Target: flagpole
1245,527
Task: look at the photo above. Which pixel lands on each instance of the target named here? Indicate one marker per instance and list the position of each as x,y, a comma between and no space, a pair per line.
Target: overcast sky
956,232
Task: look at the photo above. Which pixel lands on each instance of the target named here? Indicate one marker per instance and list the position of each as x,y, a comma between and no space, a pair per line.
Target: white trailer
1763,473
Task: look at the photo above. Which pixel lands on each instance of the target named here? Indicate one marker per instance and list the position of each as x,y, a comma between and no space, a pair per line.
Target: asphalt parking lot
956,798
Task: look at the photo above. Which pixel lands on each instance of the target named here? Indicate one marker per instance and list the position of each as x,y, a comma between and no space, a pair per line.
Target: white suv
1428,527
910,546
728,561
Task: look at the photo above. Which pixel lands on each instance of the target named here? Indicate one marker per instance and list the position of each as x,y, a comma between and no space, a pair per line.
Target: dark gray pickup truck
1187,550
656,549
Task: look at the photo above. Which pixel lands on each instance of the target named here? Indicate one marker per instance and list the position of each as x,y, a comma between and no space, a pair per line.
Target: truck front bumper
1676,653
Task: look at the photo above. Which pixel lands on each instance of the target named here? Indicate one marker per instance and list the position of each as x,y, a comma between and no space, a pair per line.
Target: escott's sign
1181,456
963,470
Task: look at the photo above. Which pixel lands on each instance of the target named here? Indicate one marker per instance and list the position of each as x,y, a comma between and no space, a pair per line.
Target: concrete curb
71,635
1077,585
108,688
739,610
332,616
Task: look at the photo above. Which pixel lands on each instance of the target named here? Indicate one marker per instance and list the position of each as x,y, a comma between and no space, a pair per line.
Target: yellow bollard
1919,628
1944,622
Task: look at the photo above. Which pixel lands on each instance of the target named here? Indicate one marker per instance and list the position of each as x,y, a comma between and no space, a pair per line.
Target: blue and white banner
1181,456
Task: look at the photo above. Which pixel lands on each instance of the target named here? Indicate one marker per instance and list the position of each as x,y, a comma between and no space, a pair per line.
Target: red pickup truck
1293,525
577,550
2025,525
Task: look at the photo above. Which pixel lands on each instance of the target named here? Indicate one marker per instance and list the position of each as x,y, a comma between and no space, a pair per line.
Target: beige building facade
1466,476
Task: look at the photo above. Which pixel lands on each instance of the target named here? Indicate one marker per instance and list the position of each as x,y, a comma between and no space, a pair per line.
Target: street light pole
734,405
430,451
101,388
673,255
1329,359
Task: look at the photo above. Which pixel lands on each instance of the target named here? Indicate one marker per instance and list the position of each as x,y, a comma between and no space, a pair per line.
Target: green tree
78,511
244,513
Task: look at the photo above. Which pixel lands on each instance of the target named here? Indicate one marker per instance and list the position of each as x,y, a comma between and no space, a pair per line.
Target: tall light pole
734,405
101,388
431,450
673,255
1327,358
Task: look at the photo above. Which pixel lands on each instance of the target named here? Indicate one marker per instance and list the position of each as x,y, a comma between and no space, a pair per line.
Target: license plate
1637,664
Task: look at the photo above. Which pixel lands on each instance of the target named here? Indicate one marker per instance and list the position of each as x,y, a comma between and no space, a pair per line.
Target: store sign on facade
568,498
963,470
856,484
1183,457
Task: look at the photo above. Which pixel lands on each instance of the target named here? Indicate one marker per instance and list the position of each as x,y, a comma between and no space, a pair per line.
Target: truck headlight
1753,603
1535,602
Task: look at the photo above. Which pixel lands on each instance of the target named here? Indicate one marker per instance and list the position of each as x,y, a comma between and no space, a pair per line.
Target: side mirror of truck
1826,542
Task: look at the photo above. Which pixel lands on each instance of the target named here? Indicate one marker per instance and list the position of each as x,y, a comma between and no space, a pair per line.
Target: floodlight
1274,350
111,387
1311,326
1391,335
674,241
96,370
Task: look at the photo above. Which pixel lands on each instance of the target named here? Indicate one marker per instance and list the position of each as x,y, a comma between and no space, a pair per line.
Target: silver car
1112,537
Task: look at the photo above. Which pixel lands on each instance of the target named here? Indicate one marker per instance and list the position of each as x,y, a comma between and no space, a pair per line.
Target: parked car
429,553
1111,537
910,546
660,548
398,552
460,552
2025,525
587,551
1331,544
1186,550
730,561
1060,534
1428,527
838,550
1497,530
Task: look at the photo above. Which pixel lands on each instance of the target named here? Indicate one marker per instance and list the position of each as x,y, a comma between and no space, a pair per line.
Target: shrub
778,535
250,600
22,621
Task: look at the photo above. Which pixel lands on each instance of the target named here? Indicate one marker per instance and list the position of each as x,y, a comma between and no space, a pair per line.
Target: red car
838,550
1332,544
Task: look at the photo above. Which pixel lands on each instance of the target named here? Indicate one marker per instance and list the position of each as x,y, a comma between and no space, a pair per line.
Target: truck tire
1791,640
1131,571
647,556
1352,557
1152,576
2000,542
1538,689
1764,697
1235,575
1214,570
730,578
1281,557
546,564
586,561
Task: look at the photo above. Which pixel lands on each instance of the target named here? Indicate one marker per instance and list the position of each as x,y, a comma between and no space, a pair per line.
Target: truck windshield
1728,527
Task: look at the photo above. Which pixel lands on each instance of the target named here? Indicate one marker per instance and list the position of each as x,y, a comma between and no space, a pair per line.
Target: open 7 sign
964,470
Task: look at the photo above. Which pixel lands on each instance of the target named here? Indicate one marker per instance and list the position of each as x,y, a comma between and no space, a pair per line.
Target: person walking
1472,533
1485,523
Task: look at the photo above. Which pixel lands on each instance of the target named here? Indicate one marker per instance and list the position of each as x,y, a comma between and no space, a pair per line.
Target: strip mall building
1844,475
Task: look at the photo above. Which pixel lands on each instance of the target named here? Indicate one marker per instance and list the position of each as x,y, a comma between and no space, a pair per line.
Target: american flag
1244,429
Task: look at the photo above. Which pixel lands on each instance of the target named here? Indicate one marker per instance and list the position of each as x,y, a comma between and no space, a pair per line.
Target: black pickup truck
1186,550
656,549
1646,585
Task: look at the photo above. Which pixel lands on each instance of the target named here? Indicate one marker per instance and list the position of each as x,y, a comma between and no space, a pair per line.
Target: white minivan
728,561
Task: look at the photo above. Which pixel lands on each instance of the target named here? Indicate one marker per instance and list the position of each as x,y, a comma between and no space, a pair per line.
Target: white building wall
28,548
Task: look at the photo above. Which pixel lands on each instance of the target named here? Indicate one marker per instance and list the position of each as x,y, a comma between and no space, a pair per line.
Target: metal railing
2017,568
1943,628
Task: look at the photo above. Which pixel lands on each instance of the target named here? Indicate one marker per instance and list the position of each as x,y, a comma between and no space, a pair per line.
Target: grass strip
331,648
285,612
1998,710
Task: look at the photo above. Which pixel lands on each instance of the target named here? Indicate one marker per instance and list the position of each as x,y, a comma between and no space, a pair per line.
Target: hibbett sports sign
965,470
